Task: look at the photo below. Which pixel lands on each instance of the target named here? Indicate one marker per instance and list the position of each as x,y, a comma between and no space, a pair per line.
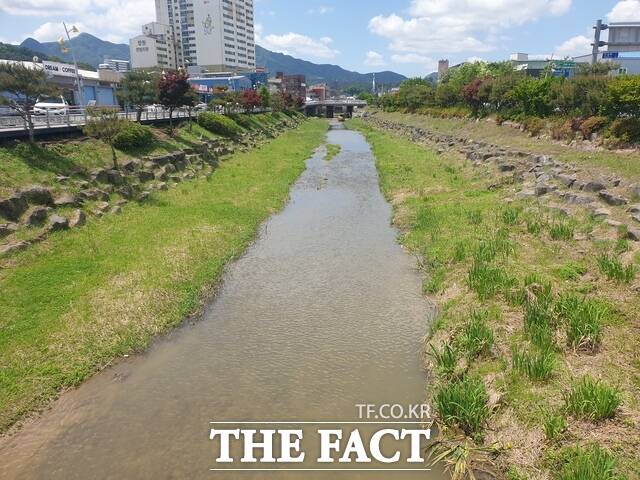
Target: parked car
201,107
155,108
51,106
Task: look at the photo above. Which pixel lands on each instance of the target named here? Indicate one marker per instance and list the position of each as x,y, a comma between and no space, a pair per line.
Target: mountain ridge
92,51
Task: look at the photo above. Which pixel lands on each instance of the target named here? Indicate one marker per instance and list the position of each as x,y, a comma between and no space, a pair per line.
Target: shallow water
322,313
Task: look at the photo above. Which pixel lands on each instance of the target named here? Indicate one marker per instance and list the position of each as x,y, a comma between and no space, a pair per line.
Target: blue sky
407,36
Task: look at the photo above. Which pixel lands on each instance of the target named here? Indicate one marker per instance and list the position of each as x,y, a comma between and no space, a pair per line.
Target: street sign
610,55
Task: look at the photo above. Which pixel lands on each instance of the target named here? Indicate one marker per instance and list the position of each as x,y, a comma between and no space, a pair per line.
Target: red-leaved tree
174,91
250,100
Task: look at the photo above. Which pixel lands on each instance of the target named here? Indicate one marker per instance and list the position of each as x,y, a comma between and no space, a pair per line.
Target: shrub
445,359
615,270
592,125
133,135
536,365
534,125
592,400
588,463
625,129
220,124
538,324
624,96
477,337
571,271
554,425
562,131
463,404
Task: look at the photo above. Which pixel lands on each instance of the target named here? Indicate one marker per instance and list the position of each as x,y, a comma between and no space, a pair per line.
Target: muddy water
323,312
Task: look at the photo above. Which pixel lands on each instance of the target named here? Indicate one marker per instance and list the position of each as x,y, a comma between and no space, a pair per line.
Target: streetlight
64,49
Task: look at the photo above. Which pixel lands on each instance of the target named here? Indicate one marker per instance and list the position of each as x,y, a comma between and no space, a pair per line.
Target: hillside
88,49
331,74
91,50
16,52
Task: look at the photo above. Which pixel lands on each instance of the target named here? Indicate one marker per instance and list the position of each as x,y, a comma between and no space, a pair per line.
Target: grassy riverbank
22,163
533,306
74,303
626,164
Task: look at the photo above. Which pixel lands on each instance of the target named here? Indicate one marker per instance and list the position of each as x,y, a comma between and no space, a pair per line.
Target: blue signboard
610,54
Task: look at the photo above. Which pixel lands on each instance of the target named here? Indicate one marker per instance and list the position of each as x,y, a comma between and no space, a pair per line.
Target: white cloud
578,45
424,61
625,11
51,31
321,10
374,59
44,8
474,59
454,26
298,45
115,20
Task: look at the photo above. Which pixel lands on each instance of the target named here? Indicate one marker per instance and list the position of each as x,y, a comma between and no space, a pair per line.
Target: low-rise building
627,64
122,66
98,88
155,49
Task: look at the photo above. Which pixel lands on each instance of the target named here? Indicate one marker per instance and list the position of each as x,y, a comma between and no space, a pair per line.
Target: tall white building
216,35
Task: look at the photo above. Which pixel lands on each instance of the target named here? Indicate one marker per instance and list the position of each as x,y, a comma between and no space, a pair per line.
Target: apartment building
216,35
155,48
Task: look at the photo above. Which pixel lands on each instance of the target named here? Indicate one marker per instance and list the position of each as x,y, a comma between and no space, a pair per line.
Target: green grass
587,463
584,321
625,164
536,364
22,163
73,303
571,271
560,230
332,151
476,338
445,359
463,404
554,424
613,268
592,400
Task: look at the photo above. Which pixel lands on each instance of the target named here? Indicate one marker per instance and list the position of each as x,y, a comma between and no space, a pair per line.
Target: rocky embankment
32,212
557,184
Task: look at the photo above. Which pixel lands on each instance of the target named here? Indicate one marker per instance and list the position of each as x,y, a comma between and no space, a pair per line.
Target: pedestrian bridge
329,108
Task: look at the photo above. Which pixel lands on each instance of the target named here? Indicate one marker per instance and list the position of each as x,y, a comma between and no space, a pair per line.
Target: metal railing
78,116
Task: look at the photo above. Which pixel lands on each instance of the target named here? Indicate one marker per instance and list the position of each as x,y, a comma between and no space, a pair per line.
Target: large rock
67,200
78,219
37,195
594,186
113,177
612,198
145,175
13,207
7,229
633,234
542,189
36,216
634,208
126,191
13,247
578,199
94,194
567,180
102,206
130,165
57,223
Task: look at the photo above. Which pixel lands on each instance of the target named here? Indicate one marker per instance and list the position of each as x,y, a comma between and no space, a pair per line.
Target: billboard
624,37
59,69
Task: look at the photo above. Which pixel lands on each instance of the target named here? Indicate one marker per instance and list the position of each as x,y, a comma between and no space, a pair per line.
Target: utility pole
599,28
75,63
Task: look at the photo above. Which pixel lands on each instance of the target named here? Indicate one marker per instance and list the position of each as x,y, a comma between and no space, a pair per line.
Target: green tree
105,124
278,103
265,95
24,85
138,89
191,100
532,96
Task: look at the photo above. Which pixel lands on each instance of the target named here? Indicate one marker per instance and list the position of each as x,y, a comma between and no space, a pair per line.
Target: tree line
562,105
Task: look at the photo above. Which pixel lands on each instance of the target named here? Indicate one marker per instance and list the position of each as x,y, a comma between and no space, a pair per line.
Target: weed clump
477,337
463,404
587,463
537,365
613,268
592,400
